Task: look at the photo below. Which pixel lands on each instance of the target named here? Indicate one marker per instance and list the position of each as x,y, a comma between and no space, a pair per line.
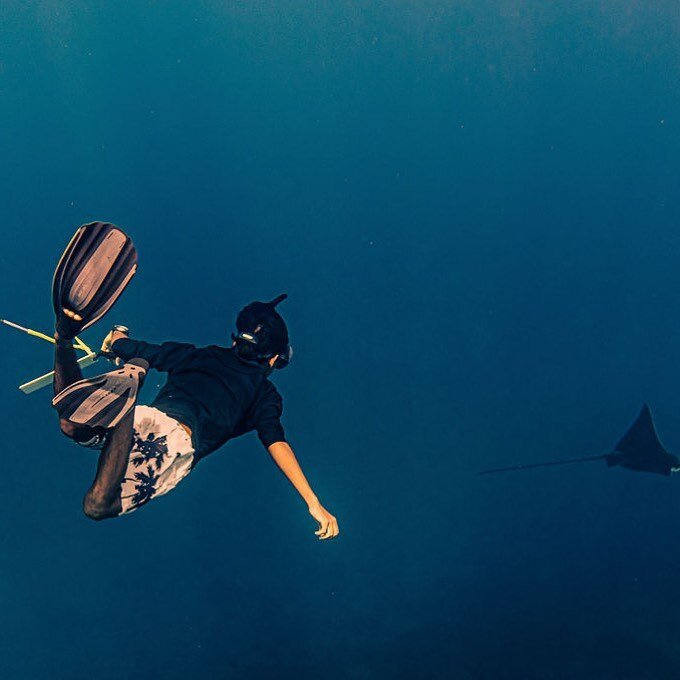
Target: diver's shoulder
270,390
229,359
223,354
215,349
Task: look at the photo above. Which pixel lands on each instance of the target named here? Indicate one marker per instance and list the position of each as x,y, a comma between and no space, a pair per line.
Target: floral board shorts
160,458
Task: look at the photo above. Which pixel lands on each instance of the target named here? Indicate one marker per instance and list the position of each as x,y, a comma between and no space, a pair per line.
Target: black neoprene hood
262,319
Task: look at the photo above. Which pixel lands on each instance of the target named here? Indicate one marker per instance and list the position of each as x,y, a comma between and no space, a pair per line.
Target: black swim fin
94,270
102,401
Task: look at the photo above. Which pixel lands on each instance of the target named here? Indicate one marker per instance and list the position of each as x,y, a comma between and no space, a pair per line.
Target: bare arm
285,458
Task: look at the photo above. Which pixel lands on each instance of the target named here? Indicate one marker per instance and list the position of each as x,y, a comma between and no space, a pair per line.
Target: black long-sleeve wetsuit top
212,391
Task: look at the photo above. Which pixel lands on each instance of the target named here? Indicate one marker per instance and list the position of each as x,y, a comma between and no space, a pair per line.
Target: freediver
212,394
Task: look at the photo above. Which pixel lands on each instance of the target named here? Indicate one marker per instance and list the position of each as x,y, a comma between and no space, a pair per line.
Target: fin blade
102,401
100,264
96,267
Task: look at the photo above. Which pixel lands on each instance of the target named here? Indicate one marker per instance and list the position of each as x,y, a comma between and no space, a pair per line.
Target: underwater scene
348,338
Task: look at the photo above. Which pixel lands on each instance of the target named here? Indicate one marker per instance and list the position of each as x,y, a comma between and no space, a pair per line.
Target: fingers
328,525
328,529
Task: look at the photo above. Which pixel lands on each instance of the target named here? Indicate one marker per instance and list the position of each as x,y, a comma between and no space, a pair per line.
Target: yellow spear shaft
78,344
47,379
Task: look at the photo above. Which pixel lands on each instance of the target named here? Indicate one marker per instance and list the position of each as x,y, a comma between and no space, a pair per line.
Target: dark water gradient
474,209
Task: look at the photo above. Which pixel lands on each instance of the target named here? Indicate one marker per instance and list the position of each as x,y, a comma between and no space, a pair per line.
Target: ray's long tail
528,466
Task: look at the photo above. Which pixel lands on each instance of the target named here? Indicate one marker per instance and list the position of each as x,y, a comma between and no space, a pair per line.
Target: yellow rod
78,343
48,378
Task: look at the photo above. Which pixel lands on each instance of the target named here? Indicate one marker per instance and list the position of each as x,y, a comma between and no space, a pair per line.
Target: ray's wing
641,438
640,449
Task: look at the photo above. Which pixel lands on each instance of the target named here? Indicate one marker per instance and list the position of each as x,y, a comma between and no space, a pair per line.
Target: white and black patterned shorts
160,458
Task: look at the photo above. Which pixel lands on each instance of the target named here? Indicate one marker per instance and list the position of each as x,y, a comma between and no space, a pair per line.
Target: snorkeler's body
212,394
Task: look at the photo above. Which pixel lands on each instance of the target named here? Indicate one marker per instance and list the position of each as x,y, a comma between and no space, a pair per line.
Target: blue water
474,209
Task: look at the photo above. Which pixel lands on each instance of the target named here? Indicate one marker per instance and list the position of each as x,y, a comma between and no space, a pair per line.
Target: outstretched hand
328,525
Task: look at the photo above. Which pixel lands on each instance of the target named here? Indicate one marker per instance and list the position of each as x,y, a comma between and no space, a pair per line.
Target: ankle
62,341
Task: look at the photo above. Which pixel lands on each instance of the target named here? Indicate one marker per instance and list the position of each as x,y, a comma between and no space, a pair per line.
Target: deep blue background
474,208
